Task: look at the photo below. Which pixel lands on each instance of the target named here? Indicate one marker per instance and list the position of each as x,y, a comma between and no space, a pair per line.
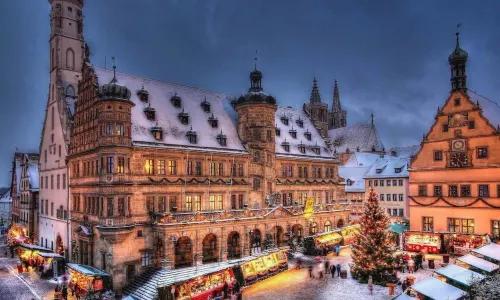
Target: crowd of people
410,263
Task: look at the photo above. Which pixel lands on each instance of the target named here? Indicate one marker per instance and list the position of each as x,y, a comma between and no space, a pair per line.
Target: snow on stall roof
316,140
363,136
491,109
491,250
459,274
355,174
174,132
388,166
438,290
478,263
403,296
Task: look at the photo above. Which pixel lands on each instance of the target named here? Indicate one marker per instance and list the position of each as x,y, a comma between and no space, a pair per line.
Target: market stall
318,243
397,233
422,241
28,254
51,264
464,243
403,296
458,276
266,264
282,259
477,264
86,280
490,252
433,288
349,233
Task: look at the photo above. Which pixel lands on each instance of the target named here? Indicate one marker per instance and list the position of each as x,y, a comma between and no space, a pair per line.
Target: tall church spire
458,62
336,98
315,96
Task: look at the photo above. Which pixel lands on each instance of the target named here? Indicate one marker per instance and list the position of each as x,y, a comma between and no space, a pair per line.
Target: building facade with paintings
454,178
161,171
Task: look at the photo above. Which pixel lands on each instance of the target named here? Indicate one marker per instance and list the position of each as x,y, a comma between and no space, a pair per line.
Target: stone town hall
160,171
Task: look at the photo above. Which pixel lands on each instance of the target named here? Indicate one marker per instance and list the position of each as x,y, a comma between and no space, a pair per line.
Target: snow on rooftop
33,176
438,290
388,167
293,115
491,109
405,151
361,159
351,138
19,171
459,274
491,251
174,132
354,178
478,263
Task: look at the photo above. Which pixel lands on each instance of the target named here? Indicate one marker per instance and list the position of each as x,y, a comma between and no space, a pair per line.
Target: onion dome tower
458,62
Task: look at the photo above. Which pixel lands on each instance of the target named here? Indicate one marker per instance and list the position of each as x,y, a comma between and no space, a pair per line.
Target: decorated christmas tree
373,249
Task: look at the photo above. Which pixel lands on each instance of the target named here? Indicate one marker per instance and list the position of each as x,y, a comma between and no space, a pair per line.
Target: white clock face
458,145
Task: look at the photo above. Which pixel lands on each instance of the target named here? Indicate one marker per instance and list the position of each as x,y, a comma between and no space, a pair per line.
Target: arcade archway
210,248
183,252
233,245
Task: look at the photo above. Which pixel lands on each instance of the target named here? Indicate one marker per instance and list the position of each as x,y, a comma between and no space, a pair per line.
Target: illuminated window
313,228
467,226
453,225
428,223
120,129
161,167
150,166
197,203
328,226
495,229
121,165
220,202
172,167
189,203
212,202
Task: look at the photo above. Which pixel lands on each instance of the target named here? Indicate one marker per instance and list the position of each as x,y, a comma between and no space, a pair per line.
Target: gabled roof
362,159
490,108
356,177
388,166
404,151
316,140
174,132
5,195
351,138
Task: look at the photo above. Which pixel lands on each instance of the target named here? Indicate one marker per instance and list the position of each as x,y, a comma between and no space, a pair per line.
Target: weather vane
255,59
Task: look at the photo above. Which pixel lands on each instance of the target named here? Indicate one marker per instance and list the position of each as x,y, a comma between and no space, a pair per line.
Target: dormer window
176,101
205,105
214,122
184,117
286,146
191,135
308,135
150,113
284,120
316,149
143,94
302,148
349,182
222,139
293,133
157,133
378,171
278,131
397,170
300,122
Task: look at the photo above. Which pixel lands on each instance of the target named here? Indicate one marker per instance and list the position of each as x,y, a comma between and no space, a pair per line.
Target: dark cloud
390,57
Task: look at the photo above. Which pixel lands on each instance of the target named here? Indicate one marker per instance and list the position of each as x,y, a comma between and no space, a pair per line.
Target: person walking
403,285
411,265
338,270
226,290
311,271
370,284
327,266
65,292
332,270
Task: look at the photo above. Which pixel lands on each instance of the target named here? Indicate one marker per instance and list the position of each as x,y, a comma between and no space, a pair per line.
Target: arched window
70,58
328,226
313,228
70,91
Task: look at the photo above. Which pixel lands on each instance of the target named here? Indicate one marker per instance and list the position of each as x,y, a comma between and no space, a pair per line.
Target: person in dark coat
403,285
327,266
338,269
311,272
332,270
65,293
226,290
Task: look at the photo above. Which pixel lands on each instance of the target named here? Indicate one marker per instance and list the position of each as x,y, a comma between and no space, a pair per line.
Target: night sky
390,57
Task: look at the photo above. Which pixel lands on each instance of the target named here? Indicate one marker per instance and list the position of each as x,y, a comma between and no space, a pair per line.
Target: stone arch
233,245
183,252
313,228
70,58
210,248
278,234
59,245
297,232
159,251
327,226
256,240
70,91
340,223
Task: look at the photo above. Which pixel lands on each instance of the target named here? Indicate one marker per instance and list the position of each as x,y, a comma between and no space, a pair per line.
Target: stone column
105,213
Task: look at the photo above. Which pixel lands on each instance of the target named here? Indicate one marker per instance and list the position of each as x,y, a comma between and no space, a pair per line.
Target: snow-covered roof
479,263
353,175
5,195
33,176
167,115
19,172
362,159
491,251
459,274
351,138
293,115
403,296
491,109
405,151
385,167
438,290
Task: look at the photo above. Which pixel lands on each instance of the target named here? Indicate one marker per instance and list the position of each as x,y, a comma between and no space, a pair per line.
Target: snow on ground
296,284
